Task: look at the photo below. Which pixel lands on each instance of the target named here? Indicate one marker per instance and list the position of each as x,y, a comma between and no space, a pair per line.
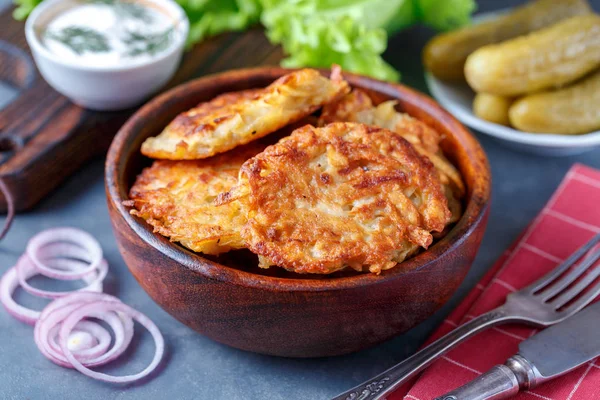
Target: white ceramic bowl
457,98
105,87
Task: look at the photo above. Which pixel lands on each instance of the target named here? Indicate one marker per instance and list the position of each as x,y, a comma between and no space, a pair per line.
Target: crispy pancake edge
225,123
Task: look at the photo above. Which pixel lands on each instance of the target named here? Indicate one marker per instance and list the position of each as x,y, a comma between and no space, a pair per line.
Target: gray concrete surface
198,368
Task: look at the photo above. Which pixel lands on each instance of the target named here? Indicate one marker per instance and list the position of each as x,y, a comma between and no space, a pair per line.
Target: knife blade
544,356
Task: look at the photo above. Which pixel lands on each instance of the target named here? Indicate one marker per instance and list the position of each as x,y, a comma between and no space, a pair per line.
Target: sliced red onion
45,333
63,251
66,264
88,340
81,340
63,331
10,202
25,270
8,284
122,326
99,310
60,240
76,298
94,282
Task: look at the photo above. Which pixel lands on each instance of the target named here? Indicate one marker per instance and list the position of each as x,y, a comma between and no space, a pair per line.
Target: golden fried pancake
176,198
342,195
238,118
358,107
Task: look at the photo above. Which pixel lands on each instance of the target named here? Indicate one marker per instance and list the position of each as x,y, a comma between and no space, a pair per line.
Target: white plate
457,98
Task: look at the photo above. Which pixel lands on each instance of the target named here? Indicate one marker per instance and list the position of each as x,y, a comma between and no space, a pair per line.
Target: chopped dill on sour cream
109,32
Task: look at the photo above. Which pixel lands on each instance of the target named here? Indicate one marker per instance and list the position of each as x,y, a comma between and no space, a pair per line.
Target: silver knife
547,355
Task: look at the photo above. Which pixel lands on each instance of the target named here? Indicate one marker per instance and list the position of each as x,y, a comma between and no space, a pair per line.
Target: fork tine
575,290
558,271
583,301
560,285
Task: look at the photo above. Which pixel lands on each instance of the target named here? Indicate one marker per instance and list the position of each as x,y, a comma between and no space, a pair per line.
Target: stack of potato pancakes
344,182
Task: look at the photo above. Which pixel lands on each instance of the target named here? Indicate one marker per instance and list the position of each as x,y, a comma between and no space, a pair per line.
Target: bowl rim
475,211
546,140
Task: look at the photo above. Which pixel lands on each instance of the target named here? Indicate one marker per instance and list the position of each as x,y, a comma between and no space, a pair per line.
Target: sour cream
110,33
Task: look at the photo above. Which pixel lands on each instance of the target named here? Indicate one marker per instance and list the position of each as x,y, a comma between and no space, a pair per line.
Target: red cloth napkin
569,219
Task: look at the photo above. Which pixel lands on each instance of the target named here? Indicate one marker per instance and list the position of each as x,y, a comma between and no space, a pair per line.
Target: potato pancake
177,199
238,118
357,106
344,195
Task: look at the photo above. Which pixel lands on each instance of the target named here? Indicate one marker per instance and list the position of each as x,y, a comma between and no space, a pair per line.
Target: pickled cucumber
569,111
445,54
550,57
492,108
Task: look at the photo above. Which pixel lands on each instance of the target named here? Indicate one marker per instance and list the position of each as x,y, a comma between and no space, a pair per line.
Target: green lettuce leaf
352,33
318,33
442,15
24,7
445,15
211,17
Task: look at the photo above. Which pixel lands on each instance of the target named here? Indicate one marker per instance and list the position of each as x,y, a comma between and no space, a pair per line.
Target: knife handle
500,382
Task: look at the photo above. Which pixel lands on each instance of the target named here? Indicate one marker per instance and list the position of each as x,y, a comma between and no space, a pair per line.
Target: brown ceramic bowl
271,311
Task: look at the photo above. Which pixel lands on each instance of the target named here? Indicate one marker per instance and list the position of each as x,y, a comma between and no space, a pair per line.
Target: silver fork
546,302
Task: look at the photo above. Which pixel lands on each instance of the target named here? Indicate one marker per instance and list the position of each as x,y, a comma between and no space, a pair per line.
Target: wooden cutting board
44,137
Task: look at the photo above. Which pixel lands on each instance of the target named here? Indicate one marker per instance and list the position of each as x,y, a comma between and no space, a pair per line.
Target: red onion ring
98,332
82,341
94,283
8,284
64,251
54,315
76,298
68,264
98,310
10,204
62,330
62,239
25,270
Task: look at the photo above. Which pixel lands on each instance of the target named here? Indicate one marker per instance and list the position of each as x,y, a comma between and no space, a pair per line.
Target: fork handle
386,382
